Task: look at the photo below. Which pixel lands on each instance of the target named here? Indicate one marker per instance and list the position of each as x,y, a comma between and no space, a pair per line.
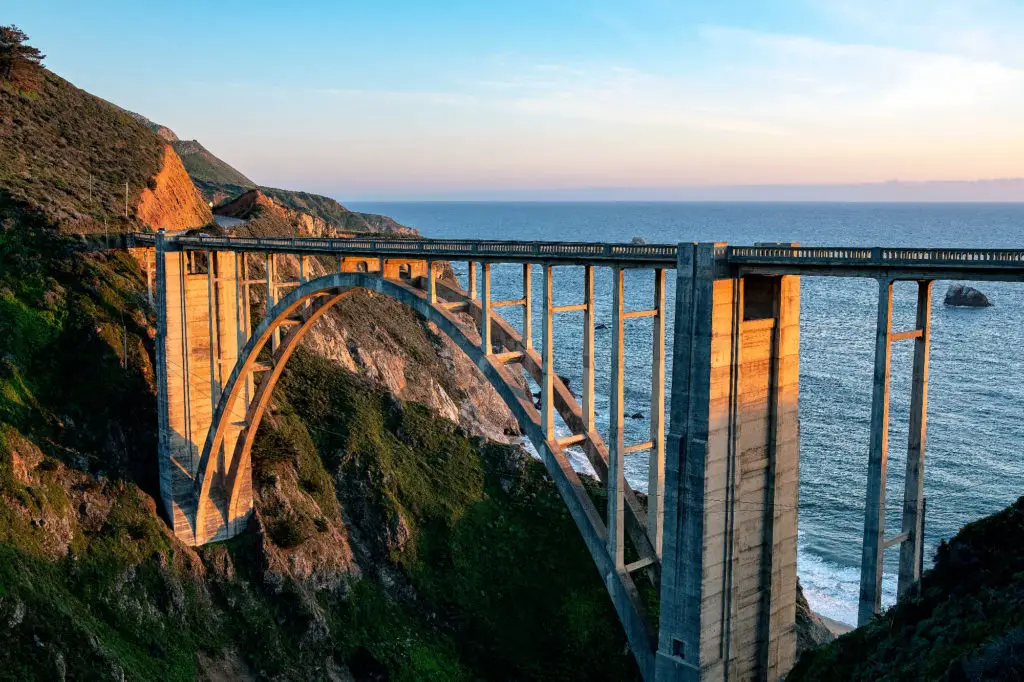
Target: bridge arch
320,295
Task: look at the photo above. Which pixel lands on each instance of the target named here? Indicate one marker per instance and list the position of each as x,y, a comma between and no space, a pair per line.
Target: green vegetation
20,64
208,172
68,155
482,537
967,623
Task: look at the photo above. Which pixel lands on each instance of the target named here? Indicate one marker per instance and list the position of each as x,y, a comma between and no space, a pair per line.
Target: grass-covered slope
967,623
69,154
204,167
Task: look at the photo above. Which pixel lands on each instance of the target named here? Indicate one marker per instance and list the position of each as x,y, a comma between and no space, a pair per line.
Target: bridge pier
197,346
909,539
728,600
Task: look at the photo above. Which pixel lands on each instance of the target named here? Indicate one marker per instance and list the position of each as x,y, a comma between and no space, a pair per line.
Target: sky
423,100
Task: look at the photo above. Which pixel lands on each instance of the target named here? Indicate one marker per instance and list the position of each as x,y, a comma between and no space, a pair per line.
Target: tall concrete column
656,456
728,592
485,327
588,349
471,267
149,276
547,406
913,493
527,307
431,283
616,426
271,267
878,457
198,331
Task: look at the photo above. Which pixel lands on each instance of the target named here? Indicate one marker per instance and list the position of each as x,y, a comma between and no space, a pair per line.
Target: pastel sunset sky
383,100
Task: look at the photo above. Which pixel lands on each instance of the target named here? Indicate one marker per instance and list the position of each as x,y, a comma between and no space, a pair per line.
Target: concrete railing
455,249
652,254
875,257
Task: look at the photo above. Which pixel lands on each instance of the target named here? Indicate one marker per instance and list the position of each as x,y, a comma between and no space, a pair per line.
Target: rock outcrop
170,200
966,297
811,631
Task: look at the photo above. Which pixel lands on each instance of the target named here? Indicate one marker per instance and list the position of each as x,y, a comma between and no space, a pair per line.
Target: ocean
974,464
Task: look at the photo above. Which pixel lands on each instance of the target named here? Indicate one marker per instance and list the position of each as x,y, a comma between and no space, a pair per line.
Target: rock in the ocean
639,241
637,415
600,325
960,295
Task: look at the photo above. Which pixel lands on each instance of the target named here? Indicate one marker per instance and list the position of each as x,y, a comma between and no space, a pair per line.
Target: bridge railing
874,257
420,248
662,254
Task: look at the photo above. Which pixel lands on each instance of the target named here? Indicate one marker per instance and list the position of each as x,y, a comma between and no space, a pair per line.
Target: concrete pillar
527,307
913,493
431,283
878,456
547,404
485,328
471,266
242,313
588,349
275,340
198,332
149,276
728,592
656,456
211,283
616,426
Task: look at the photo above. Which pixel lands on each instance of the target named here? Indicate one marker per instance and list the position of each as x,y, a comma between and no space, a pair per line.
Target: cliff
170,200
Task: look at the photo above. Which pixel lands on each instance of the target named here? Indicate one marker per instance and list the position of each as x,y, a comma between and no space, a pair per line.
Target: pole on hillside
126,199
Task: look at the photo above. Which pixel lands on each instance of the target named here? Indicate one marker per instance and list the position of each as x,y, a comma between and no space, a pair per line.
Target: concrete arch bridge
717,534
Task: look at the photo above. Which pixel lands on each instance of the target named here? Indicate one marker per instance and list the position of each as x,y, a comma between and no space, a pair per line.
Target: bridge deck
841,261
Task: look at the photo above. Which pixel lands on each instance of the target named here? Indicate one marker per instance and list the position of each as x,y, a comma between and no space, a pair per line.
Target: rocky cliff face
170,200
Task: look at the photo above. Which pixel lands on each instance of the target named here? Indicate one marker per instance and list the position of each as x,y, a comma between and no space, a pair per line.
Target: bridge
714,535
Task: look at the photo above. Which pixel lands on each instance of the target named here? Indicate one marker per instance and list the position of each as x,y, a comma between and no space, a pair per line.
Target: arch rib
335,287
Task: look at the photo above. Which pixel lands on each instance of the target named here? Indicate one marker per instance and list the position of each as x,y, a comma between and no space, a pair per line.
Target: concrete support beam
913,493
149,276
547,402
616,427
588,349
485,328
656,459
471,283
431,283
271,267
878,456
527,307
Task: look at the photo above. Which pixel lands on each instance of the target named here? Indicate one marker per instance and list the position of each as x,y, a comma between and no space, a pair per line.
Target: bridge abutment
728,606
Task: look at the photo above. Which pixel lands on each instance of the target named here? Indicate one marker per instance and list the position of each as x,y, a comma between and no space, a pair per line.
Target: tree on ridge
20,63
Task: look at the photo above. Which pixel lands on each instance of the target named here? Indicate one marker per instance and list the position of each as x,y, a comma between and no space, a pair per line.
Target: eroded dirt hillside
170,200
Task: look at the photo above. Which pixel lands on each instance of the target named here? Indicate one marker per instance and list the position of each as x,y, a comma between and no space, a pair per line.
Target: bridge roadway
716,537
902,263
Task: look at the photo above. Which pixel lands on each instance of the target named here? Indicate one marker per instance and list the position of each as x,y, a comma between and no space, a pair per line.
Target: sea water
974,464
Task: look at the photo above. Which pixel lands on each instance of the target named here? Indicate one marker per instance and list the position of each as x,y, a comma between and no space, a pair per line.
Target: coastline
835,627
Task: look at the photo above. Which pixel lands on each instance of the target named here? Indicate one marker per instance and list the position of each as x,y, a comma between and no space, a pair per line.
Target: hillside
336,215
967,623
222,185
207,169
82,162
